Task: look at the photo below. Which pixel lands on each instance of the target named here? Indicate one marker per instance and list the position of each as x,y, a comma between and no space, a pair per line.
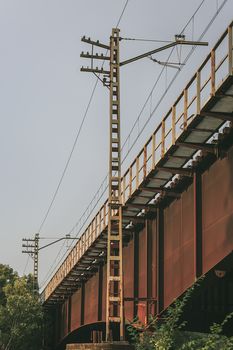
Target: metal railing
217,66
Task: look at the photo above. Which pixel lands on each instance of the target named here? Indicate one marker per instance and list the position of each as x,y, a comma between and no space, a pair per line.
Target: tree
166,332
21,313
7,276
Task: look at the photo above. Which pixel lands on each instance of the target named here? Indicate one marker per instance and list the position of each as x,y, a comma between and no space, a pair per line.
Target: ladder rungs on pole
117,299
114,319
114,238
114,278
112,257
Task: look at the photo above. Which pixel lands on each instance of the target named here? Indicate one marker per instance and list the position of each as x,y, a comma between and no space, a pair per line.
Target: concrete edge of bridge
116,345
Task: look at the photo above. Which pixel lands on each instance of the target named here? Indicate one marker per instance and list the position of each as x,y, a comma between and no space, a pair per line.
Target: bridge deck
201,112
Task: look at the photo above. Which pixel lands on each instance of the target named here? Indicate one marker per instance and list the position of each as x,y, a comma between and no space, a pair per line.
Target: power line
147,40
156,82
26,265
122,13
148,98
135,123
76,139
157,105
69,158
158,78
171,82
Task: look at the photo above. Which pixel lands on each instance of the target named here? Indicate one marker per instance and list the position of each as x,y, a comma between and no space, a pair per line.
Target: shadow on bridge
88,333
212,301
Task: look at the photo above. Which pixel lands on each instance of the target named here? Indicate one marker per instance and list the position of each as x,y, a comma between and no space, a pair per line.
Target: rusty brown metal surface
76,310
64,319
154,267
217,204
128,270
178,247
153,150
179,251
91,300
142,289
142,276
104,293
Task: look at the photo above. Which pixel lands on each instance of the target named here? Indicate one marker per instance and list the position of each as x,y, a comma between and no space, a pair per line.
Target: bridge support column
197,189
100,292
149,267
82,303
69,314
136,269
160,260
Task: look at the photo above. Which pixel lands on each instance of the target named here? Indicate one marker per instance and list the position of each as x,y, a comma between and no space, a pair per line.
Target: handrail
140,166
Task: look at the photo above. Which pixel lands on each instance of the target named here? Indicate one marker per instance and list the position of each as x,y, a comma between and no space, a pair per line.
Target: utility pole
32,248
114,296
111,79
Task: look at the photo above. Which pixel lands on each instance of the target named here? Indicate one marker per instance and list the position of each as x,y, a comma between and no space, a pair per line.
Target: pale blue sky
43,97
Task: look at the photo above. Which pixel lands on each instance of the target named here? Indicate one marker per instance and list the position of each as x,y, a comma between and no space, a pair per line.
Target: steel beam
166,191
160,259
182,171
149,265
210,148
219,115
198,249
82,303
136,271
100,292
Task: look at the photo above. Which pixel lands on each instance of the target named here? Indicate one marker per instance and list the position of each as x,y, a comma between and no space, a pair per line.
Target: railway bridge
177,218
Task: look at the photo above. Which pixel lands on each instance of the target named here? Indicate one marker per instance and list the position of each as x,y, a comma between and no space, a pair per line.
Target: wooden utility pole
32,248
114,297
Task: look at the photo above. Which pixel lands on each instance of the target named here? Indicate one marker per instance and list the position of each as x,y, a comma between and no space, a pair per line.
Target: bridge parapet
194,118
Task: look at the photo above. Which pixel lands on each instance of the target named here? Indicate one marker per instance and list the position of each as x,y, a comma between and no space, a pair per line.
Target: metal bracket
219,115
165,191
181,171
199,146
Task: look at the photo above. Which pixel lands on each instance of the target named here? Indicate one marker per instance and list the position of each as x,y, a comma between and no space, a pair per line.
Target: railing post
137,172
230,49
153,151
185,108
130,180
144,162
104,214
212,55
123,192
173,124
198,78
162,138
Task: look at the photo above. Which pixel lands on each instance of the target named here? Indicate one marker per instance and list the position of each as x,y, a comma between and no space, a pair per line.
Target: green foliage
7,276
167,333
21,313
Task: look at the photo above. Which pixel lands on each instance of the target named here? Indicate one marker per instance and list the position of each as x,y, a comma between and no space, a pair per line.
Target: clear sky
43,98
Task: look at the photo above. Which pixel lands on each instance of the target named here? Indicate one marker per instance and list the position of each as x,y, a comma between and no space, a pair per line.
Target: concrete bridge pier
117,345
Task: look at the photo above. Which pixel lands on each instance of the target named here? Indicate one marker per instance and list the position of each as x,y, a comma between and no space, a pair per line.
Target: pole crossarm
58,240
94,43
95,70
96,56
162,48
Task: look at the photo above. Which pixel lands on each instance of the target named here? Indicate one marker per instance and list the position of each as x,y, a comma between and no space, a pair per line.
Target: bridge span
177,216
